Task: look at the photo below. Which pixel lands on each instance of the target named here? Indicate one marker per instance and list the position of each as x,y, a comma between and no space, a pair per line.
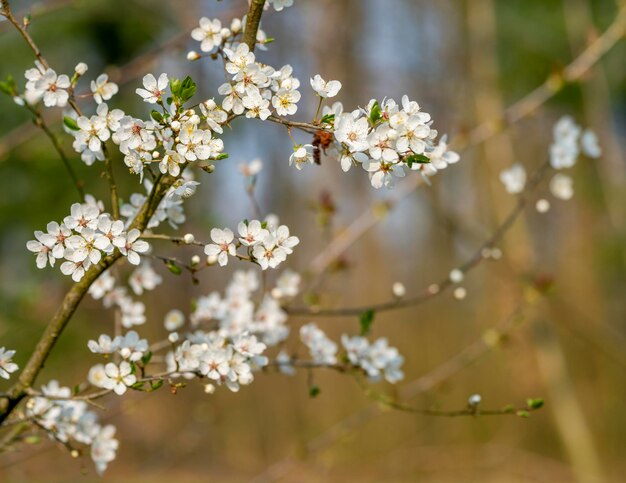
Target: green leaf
535,403
375,113
221,156
154,385
314,391
172,267
416,158
33,439
175,86
327,119
146,358
70,123
187,89
138,386
523,414
8,86
366,321
157,116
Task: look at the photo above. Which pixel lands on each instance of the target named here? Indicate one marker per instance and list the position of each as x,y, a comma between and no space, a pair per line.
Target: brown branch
252,23
6,11
115,202
70,303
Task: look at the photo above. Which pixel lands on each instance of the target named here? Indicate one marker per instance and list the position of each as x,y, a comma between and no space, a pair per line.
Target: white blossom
7,366
302,154
325,89
130,246
514,179
54,88
174,320
102,89
208,34
222,246
562,186
119,378
153,89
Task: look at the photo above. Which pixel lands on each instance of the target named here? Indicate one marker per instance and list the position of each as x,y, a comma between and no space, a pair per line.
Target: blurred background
464,62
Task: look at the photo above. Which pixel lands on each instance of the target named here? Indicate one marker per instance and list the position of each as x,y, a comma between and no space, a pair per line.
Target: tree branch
70,303
252,23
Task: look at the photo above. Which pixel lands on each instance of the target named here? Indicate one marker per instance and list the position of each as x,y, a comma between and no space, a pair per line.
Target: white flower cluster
569,141
387,138
223,360
130,347
252,85
177,132
71,421
83,238
236,312
132,312
266,244
173,137
322,349
7,366
377,359
212,35
170,208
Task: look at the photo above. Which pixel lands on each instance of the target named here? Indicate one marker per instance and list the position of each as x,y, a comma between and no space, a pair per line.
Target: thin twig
6,11
39,122
477,257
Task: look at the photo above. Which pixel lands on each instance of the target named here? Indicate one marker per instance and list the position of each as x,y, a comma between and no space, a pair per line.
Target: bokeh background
464,62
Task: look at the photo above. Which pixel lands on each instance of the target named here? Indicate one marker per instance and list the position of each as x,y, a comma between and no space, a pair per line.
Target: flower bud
195,260
189,238
225,33
474,400
542,205
398,289
175,125
81,68
235,26
193,55
173,337
456,276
